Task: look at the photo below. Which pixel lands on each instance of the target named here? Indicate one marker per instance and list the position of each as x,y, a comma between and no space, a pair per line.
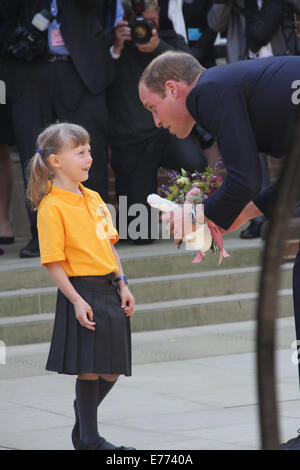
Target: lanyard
53,7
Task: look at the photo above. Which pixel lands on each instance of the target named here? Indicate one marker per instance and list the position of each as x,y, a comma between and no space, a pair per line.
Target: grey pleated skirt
75,349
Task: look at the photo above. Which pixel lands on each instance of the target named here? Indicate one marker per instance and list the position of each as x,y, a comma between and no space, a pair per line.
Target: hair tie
40,151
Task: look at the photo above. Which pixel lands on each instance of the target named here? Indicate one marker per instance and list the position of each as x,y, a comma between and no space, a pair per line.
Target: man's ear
171,88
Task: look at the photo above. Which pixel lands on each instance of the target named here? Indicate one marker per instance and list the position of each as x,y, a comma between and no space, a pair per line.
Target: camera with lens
141,28
29,43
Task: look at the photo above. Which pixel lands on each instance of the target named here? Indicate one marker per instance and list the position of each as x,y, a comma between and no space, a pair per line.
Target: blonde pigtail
40,177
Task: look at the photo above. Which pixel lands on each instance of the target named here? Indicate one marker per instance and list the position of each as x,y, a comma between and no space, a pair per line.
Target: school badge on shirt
101,213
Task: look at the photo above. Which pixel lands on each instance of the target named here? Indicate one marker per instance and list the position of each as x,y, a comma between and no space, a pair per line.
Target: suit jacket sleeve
266,199
218,17
222,111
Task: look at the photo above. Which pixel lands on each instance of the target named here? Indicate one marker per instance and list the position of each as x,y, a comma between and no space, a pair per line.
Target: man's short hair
171,65
128,10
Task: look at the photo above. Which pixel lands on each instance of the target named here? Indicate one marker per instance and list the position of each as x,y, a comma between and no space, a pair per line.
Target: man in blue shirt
248,107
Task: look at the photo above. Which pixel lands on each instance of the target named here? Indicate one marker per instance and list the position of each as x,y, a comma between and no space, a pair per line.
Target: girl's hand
127,301
84,314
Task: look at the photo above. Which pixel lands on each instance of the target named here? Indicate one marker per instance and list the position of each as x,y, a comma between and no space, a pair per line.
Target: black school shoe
31,250
292,444
100,444
7,240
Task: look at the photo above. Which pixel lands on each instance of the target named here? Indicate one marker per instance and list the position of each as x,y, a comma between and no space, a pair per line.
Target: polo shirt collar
69,196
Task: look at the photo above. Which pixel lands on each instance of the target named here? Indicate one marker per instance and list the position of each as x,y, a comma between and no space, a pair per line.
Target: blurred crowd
81,61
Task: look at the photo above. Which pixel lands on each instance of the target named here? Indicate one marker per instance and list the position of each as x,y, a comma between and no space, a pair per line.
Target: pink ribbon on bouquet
217,237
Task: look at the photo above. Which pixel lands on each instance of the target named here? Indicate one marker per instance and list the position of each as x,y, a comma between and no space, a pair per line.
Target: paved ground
192,388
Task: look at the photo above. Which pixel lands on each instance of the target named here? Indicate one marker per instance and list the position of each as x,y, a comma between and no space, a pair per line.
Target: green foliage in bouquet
190,187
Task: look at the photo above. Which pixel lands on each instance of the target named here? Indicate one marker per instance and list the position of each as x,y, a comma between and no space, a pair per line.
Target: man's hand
151,45
179,222
122,34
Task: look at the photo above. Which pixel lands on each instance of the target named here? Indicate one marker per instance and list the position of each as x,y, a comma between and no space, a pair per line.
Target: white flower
182,181
199,240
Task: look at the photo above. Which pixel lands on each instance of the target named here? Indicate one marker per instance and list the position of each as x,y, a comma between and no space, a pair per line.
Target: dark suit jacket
247,107
84,36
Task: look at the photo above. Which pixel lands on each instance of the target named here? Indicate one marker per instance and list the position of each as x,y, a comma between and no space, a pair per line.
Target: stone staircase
170,291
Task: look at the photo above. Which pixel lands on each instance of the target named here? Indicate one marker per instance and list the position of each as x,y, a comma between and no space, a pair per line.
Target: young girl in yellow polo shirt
91,336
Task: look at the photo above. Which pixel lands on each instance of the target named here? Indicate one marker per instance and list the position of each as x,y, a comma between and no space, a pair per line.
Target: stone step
168,345
29,329
152,289
205,311
203,284
163,259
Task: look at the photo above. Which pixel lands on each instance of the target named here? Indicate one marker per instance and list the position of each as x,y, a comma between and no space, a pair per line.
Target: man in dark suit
248,107
67,82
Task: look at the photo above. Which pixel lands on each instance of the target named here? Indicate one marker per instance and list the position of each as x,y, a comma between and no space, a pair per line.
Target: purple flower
219,163
166,188
173,176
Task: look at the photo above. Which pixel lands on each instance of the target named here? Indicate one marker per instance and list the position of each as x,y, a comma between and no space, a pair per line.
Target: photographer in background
138,147
256,28
57,68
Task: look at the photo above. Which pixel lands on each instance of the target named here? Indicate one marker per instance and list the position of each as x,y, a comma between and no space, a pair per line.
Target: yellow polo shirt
76,229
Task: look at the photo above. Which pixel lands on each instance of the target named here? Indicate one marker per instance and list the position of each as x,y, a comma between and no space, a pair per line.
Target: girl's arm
127,299
83,311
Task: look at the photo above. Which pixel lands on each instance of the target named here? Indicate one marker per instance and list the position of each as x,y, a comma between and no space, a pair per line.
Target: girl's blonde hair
50,141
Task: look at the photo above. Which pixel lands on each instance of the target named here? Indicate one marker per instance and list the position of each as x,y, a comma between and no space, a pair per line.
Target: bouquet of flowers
194,188
191,188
